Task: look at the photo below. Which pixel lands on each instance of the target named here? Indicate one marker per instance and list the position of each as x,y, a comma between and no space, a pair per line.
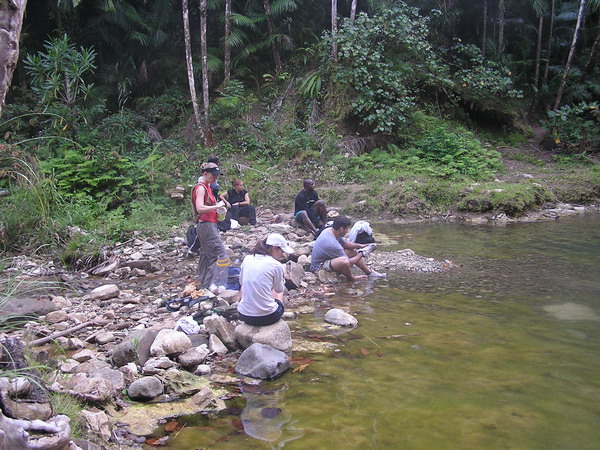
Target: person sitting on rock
238,200
309,210
262,282
333,253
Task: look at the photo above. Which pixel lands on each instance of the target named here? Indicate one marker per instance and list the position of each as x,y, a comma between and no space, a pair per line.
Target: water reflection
265,416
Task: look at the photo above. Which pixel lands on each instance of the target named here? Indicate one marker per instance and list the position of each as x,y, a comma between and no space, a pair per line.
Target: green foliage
478,79
58,74
440,151
233,103
71,407
575,126
386,60
580,185
82,251
513,199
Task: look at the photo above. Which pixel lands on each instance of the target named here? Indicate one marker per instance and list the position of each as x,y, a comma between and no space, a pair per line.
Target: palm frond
283,6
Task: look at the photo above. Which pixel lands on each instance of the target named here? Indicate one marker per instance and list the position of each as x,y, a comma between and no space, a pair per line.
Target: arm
347,245
224,197
201,208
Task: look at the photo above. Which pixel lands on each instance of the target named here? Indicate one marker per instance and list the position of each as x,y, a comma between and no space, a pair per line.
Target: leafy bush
233,103
574,127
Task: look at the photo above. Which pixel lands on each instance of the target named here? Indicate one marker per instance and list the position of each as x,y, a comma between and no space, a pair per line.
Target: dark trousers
269,319
248,211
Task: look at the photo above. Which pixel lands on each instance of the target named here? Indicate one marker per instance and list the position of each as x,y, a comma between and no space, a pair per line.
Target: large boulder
220,326
341,318
170,342
277,335
145,388
135,347
262,361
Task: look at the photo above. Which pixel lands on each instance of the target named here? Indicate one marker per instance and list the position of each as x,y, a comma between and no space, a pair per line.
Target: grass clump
70,407
513,199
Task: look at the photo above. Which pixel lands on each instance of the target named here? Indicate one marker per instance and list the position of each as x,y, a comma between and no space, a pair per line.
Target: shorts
261,321
326,265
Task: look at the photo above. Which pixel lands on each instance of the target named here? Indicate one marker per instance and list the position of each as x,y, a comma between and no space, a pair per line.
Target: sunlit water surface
502,352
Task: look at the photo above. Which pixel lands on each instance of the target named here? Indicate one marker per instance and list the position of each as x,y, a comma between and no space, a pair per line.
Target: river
500,352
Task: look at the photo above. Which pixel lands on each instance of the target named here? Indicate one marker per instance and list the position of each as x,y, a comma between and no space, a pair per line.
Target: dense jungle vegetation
394,107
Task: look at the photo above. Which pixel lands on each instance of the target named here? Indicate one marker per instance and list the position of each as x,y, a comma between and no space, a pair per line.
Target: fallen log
53,336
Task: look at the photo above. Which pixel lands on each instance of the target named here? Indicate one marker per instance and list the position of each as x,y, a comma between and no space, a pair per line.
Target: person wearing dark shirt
239,201
309,210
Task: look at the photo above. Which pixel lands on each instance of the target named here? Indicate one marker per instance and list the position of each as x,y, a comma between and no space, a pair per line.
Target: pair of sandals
175,304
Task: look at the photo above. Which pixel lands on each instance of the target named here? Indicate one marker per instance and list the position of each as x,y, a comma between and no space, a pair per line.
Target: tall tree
567,68
501,11
334,30
539,6
11,22
484,31
353,11
204,56
270,28
226,46
550,40
189,63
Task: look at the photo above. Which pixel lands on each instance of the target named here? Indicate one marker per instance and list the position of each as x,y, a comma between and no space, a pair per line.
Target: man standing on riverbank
308,209
333,253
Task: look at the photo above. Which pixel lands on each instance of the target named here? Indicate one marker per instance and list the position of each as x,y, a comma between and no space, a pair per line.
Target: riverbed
501,351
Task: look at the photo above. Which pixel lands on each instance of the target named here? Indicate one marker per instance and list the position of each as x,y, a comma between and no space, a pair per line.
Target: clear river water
500,352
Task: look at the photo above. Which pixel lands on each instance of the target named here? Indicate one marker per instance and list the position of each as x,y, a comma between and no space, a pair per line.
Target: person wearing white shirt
262,282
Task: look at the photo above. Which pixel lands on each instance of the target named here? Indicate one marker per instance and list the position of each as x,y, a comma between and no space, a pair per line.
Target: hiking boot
375,274
366,251
191,254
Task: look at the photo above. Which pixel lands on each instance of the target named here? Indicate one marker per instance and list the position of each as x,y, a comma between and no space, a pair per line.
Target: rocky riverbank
114,344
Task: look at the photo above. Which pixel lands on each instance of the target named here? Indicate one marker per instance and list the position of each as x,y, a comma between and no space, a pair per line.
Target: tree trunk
484,32
334,30
567,69
270,28
11,22
189,64
353,12
550,37
592,58
538,53
204,55
226,48
500,27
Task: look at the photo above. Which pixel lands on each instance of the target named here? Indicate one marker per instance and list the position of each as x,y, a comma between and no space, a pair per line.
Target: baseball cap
278,240
212,168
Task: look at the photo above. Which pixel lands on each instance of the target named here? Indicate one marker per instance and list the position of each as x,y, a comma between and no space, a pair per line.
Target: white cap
278,240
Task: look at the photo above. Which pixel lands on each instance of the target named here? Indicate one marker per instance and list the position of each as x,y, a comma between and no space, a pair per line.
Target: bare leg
320,210
307,222
356,259
342,265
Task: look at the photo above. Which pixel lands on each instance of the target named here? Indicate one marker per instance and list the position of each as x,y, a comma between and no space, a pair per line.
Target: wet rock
193,356
105,292
145,388
170,342
262,361
277,335
27,307
216,346
97,423
220,326
203,398
140,264
341,318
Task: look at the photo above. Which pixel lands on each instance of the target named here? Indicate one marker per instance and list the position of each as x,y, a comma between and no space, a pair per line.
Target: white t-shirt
259,275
